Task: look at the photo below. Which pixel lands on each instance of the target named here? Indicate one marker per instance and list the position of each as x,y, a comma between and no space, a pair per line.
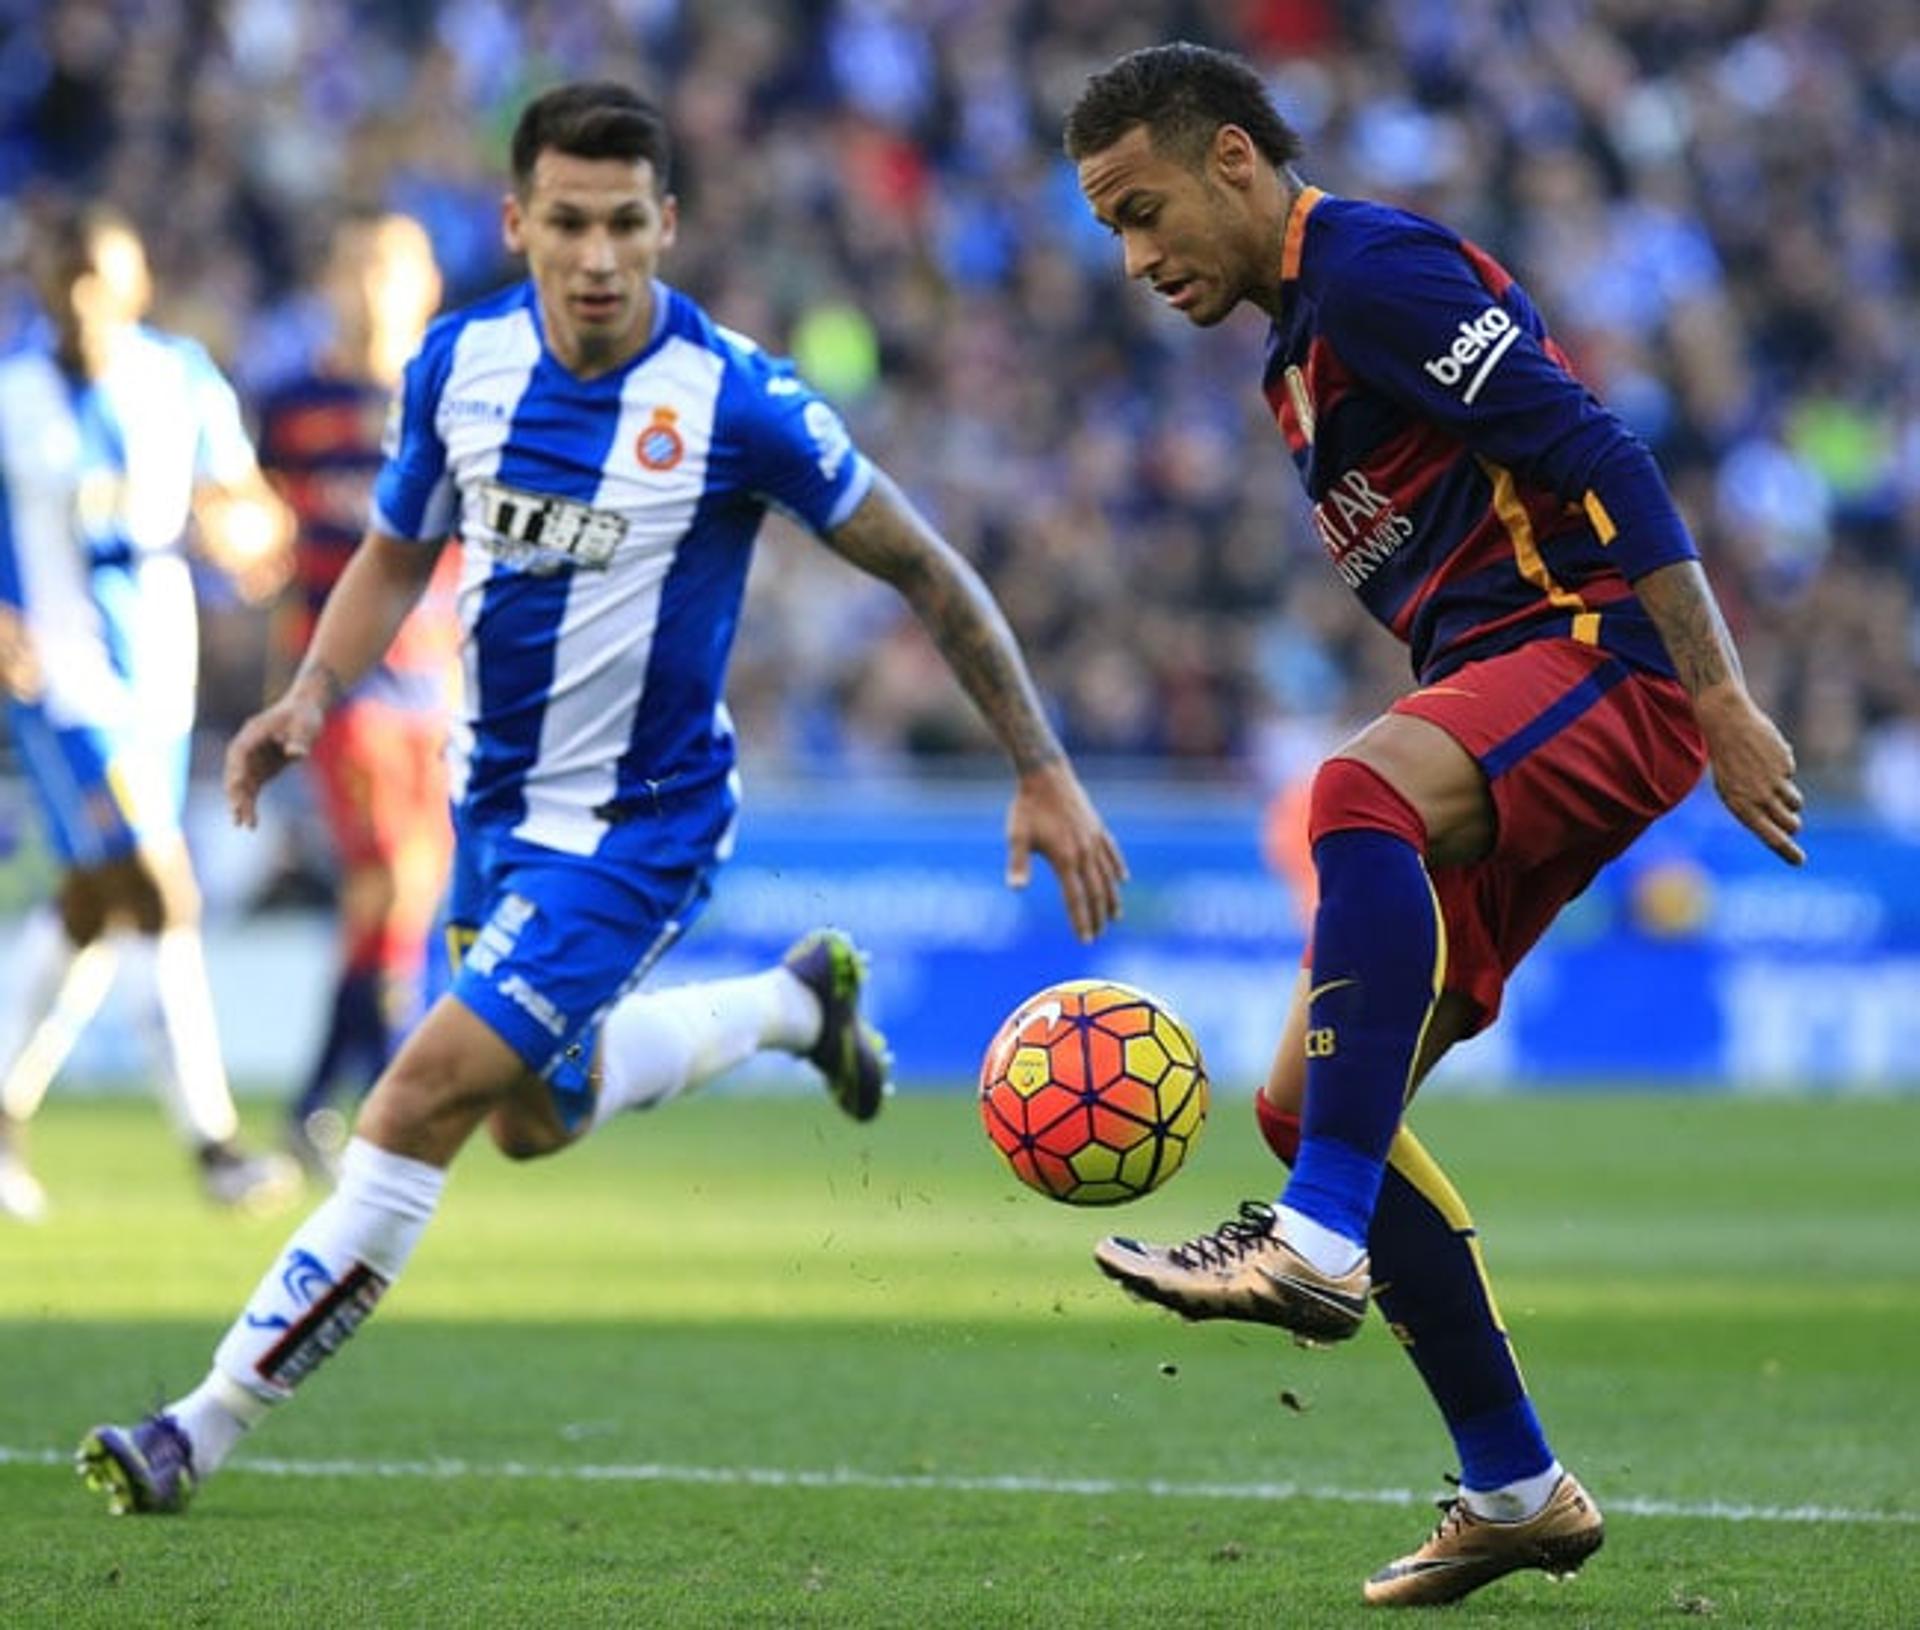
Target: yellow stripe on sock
1439,984
1408,1156
1410,1159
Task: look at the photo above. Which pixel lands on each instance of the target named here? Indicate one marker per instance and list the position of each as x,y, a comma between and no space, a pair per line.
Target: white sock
55,989
656,1045
1333,1254
192,1074
1516,1501
215,1416
325,1281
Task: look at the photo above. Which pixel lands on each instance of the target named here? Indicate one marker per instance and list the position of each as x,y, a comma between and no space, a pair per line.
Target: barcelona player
1574,676
606,454
119,445
378,764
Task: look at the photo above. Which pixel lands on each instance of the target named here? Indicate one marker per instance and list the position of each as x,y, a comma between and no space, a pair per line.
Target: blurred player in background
1574,677
112,437
378,763
607,454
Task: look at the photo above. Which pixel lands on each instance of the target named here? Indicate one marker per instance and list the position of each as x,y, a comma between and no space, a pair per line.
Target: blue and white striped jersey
96,488
606,528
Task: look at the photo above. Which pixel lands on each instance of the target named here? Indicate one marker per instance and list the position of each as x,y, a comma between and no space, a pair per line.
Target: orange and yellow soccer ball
1094,1092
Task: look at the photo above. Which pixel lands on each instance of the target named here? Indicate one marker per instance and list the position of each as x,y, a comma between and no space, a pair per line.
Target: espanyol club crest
659,446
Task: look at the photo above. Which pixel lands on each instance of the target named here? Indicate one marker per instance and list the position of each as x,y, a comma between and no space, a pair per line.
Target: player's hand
248,533
1752,769
264,746
1052,813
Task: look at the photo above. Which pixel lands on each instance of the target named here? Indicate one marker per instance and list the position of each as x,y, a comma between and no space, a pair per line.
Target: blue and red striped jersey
320,441
1466,484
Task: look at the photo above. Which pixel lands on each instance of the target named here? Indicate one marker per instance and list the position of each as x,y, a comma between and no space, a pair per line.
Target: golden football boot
1466,1551
1244,1269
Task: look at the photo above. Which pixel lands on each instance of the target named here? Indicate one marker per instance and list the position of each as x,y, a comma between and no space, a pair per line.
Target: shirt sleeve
223,452
413,495
795,451
1414,321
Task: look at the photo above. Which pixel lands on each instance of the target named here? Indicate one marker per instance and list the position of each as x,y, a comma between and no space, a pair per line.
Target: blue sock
1435,1295
357,1042
1378,953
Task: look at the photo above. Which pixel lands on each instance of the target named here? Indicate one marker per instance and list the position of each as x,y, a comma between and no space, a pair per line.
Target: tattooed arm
888,539
1752,762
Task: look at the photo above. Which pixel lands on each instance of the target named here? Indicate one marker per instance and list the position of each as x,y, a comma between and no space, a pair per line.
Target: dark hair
1183,94
591,118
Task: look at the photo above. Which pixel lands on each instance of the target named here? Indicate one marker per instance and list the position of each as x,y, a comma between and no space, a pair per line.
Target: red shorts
1581,753
382,780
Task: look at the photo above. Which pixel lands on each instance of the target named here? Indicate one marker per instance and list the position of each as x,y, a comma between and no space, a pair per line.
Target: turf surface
742,1363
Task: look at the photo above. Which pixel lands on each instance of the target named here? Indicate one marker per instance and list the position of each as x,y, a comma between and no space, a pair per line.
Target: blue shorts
547,942
101,793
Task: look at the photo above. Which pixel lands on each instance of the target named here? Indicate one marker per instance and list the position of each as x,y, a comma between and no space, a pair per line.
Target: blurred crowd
1705,200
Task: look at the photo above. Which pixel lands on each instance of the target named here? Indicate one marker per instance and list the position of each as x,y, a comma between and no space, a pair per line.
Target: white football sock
186,1038
215,1416
55,988
329,1275
1516,1501
656,1045
1333,1254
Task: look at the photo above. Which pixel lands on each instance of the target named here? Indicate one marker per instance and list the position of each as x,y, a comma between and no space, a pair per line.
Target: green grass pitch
742,1363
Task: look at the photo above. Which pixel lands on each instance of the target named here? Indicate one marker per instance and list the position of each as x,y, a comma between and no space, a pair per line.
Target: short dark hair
1183,94
591,118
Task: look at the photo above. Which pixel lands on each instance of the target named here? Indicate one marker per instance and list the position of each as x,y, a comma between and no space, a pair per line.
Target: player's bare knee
156,890
1407,776
449,1077
427,1116
83,907
526,1124
522,1136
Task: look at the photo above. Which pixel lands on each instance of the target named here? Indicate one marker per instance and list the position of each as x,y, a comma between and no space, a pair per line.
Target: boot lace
1231,1241
1454,1513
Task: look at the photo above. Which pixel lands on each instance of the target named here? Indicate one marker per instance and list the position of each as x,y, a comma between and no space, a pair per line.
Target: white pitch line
844,1477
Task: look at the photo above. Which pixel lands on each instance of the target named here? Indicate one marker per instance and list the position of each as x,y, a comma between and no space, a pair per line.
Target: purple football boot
144,1469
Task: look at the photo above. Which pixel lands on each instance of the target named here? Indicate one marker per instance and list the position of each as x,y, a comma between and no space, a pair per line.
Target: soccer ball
1094,1092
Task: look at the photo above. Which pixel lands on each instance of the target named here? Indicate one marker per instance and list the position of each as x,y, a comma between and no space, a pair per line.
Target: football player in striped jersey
378,765
120,447
605,453
1573,676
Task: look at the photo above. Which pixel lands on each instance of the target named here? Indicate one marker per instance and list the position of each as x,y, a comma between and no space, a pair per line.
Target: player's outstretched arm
1752,762
889,539
380,585
247,531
